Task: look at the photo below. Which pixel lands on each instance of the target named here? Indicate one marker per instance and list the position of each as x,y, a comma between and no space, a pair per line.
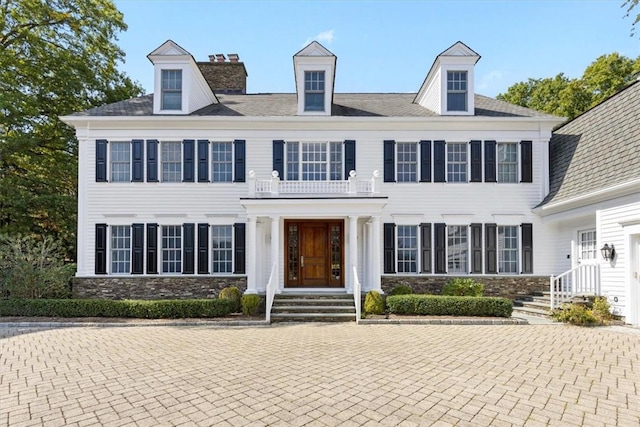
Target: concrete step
531,312
313,302
314,308
534,304
313,317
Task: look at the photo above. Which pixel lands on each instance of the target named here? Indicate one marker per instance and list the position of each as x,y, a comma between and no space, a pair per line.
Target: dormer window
171,89
314,91
456,90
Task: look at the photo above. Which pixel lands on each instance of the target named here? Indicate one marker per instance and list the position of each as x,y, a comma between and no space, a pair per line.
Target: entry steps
534,304
313,307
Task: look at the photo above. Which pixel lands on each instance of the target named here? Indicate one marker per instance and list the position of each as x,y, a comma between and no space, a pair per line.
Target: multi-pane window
171,249
120,161
314,91
508,249
407,248
314,161
507,162
456,162
171,157
222,248
588,248
457,249
222,162
456,90
407,162
120,249
171,89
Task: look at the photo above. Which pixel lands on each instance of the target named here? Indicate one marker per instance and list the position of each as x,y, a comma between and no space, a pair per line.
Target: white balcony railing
275,187
581,280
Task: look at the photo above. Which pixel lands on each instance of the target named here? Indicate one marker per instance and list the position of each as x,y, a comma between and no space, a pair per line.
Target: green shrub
33,268
373,303
601,309
576,314
154,309
233,294
250,304
401,290
463,288
436,305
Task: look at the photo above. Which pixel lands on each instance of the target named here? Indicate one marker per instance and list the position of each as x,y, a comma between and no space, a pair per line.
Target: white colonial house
201,186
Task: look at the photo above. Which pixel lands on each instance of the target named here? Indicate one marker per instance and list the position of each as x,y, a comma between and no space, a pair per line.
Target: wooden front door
314,253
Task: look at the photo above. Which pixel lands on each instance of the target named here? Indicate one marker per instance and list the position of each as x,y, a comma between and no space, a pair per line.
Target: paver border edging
447,321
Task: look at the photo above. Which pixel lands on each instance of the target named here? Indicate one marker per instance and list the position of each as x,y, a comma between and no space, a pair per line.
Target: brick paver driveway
320,374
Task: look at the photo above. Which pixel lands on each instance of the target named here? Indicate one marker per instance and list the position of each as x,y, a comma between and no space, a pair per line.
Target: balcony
274,187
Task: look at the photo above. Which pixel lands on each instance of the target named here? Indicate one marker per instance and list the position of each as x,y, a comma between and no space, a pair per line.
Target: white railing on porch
275,186
357,297
581,280
272,286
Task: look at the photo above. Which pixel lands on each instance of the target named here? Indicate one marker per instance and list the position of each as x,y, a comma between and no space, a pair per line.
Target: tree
630,5
569,98
56,57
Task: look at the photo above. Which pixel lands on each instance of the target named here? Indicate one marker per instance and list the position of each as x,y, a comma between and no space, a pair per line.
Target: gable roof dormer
315,70
448,88
179,86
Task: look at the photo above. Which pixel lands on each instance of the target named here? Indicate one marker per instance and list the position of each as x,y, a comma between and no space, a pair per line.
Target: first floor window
508,249
456,162
120,249
588,248
457,249
407,162
222,249
222,162
120,161
507,162
407,249
171,156
314,161
171,249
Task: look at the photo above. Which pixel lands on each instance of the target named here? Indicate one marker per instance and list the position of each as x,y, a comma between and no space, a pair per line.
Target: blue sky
382,46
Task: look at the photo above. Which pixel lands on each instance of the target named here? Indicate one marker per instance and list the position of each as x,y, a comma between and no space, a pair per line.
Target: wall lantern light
608,252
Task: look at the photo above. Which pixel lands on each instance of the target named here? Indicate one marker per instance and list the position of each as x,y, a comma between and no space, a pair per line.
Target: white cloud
325,37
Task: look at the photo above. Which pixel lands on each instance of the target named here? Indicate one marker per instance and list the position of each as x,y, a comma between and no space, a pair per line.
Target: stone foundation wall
174,287
495,286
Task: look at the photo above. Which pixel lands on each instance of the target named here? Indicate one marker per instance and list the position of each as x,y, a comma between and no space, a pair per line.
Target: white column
275,247
353,249
252,260
376,284
370,257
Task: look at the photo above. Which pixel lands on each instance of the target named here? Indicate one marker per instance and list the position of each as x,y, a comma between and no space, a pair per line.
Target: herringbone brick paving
320,375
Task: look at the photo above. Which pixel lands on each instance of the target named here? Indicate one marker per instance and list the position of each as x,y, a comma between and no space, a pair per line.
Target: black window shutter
389,161
476,161
439,161
101,160
188,248
440,231
425,247
389,247
203,160
137,245
476,248
239,154
240,243
527,248
101,249
526,161
152,248
425,162
137,148
490,161
187,160
278,157
491,248
349,157
203,248
152,160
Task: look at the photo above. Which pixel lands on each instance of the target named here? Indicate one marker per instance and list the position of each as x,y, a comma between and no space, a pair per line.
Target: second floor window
171,89
222,162
457,162
456,91
171,157
314,91
314,161
507,162
120,161
407,162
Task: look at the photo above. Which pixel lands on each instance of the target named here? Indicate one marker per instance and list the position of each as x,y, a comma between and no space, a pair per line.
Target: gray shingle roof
599,149
285,104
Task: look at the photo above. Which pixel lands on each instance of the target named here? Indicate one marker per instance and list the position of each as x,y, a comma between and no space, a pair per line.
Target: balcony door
314,253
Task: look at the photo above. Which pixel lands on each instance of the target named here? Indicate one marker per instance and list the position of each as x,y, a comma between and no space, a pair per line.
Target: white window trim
518,163
417,147
327,145
168,64
468,162
328,89
160,161
210,243
519,254
418,246
470,89
110,159
161,250
233,169
468,265
110,271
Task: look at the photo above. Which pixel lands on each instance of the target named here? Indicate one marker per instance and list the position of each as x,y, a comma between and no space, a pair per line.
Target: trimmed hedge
142,309
436,305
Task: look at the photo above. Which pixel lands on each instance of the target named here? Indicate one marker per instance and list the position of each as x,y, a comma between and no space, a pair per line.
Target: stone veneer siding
167,287
495,286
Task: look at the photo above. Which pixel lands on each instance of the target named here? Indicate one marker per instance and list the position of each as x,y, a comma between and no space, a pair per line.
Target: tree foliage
568,97
56,57
630,5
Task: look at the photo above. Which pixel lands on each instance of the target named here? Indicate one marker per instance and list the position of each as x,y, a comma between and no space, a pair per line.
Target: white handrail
581,280
271,292
357,297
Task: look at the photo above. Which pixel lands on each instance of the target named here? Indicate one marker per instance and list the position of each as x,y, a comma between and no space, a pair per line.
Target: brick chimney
225,76
233,57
